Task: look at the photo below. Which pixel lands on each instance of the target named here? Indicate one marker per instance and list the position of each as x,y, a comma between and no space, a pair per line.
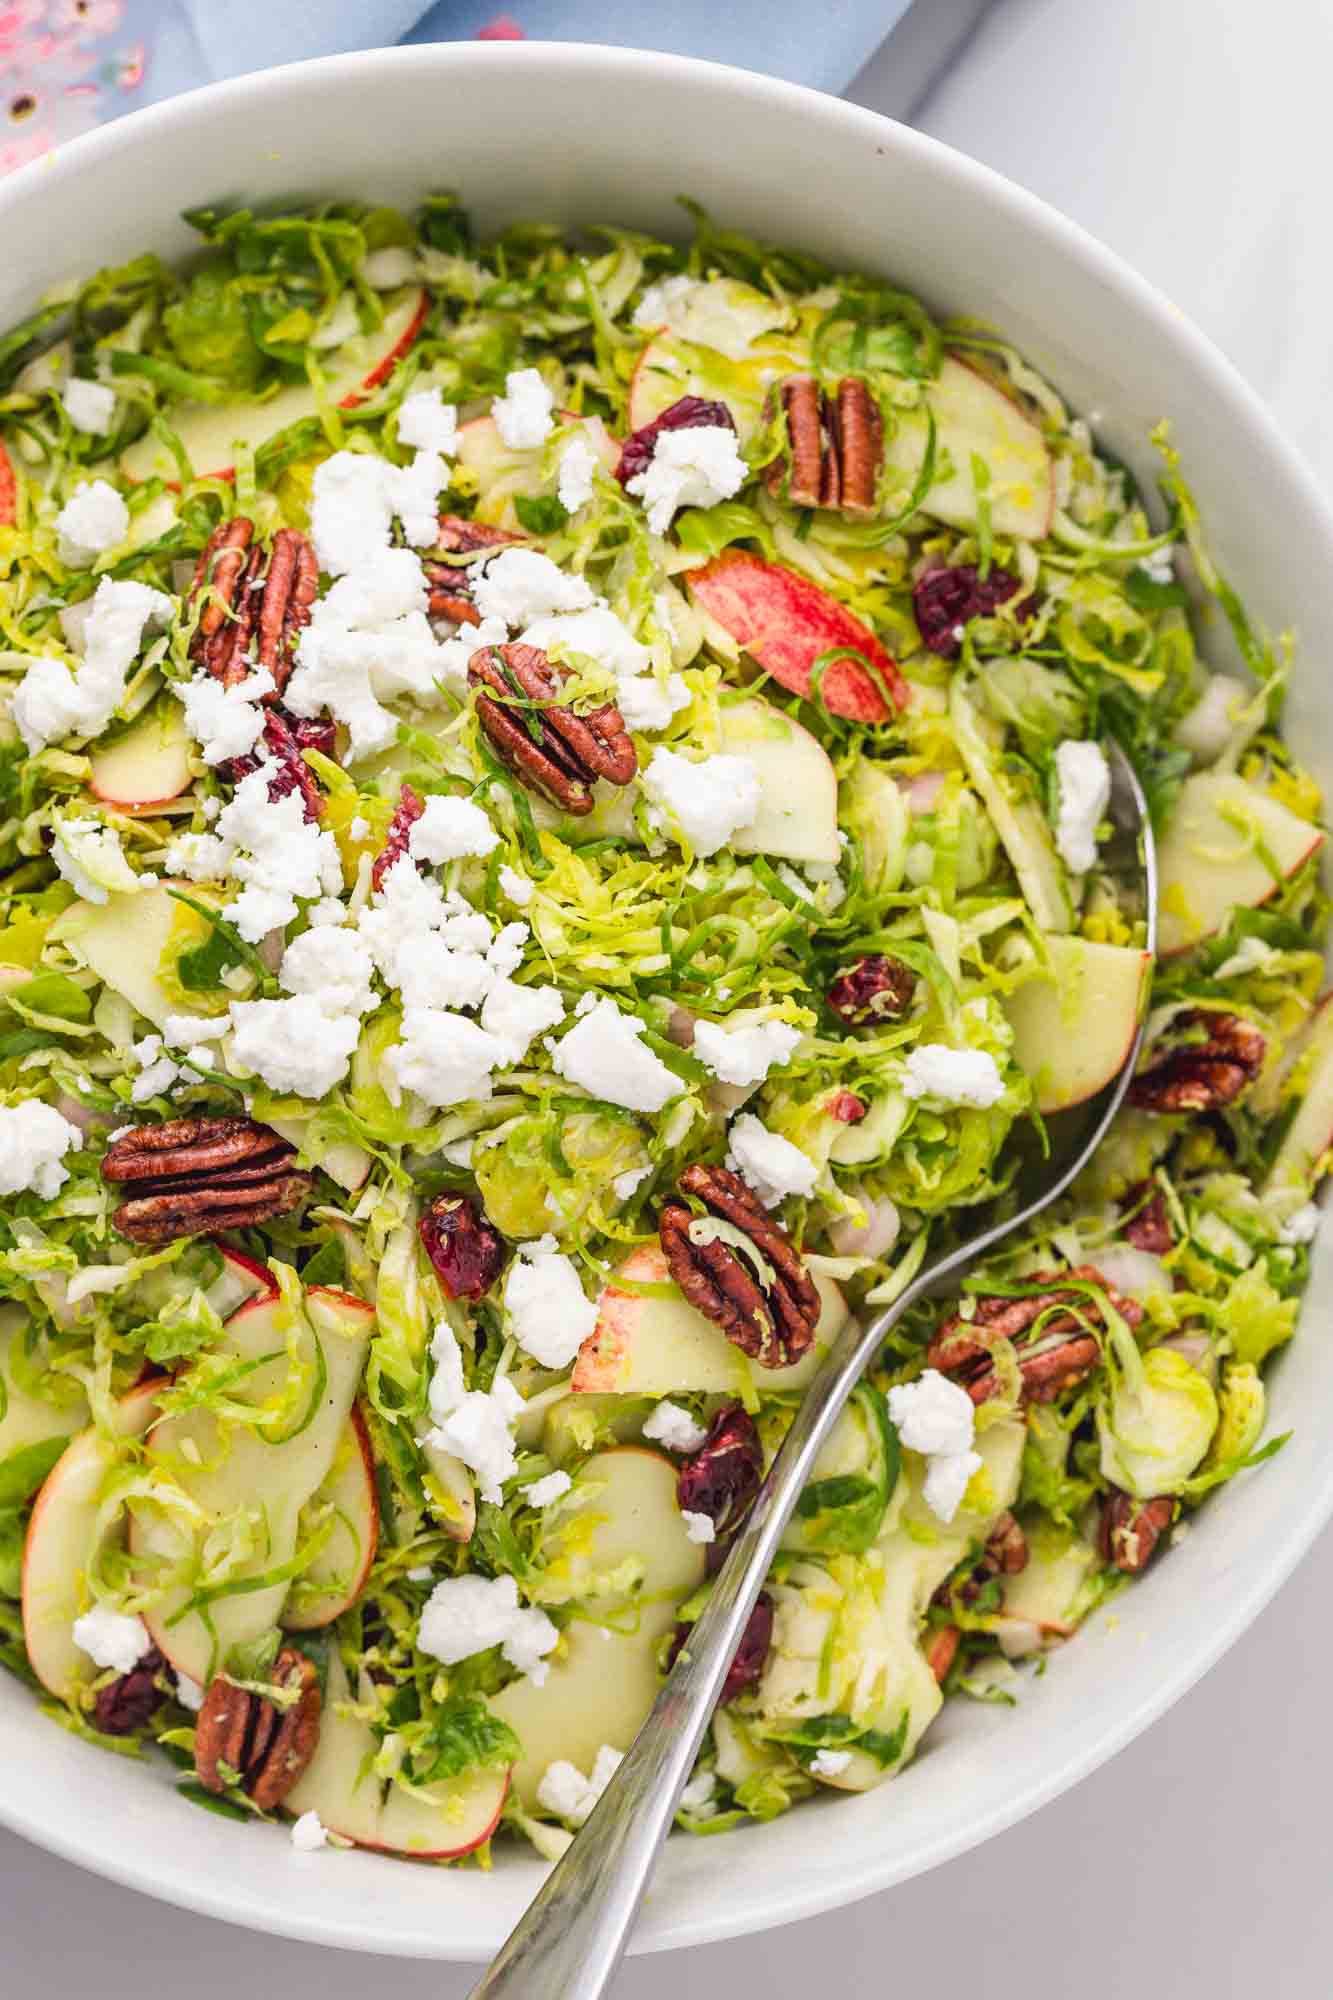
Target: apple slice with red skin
1209,859
61,1545
976,419
337,1576
240,1278
9,490
1073,1028
149,765
26,1419
209,431
338,1784
224,1475
785,623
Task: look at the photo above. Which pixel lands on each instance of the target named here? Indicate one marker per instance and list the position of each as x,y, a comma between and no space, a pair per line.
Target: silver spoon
573,1934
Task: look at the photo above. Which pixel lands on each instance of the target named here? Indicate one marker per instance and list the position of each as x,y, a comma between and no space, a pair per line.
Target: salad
550,801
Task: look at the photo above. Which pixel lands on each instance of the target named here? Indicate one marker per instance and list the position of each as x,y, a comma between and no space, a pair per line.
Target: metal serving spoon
572,1937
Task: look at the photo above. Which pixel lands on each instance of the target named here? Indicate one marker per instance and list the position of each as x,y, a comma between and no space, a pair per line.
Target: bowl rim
869,1873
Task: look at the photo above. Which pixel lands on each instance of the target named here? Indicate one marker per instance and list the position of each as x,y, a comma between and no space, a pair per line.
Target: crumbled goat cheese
578,463
158,1071
1302,1227
654,308
479,1430
186,1031
90,406
704,802
689,468
523,414
937,1418
744,1055
548,1312
426,421
435,973
1085,792
699,1527
516,1015
227,722
368,641
50,702
469,1614
93,519
954,1076
1207,728
189,1693
1159,565
770,1164
699,1791
90,857
829,1763
623,1185
334,966
604,1053
293,1045
519,586
445,1058
384,270
354,498
447,1385
564,1791
596,633
309,1833
674,1427
34,1139
545,1492
517,887
646,703
270,848
111,1639
450,828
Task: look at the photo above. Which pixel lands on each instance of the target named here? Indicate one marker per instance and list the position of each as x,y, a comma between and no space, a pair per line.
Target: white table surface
1195,137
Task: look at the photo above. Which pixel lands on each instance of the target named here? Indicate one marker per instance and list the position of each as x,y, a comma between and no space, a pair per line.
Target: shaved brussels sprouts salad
550,801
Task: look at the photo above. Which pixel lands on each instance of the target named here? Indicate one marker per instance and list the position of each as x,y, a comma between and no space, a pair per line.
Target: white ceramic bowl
583,134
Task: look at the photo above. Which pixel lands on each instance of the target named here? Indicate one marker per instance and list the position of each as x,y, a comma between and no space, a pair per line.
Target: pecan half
835,446
873,989
1206,1060
451,583
406,814
1005,1554
751,1655
195,1176
549,748
769,1308
1059,1351
1129,1530
466,1250
129,1703
1148,1226
265,1745
942,1650
259,600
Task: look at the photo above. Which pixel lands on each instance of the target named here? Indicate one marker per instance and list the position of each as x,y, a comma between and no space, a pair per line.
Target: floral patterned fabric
66,65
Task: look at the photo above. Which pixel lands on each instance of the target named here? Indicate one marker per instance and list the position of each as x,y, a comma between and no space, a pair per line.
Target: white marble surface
1193,136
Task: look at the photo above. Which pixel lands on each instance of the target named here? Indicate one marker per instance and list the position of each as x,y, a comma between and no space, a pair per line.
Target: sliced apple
602,1685
500,472
149,765
1214,856
786,623
976,420
9,490
1042,1604
647,1345
65,1537
1019,822
122,941
1310,1134
336,1577
798,787
239,1279
231,1474
436,1824
26,1419
342,1159
670,367
1073,1025
210,432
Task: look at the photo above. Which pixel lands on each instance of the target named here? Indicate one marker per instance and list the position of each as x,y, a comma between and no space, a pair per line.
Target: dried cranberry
875,988
847,1107
129,1703
751,1655
407,812
1148,1227
722,1477
285,738
464,1246
688,413
945,599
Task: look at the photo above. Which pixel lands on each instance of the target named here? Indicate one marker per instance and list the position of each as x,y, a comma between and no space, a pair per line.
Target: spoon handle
573,1934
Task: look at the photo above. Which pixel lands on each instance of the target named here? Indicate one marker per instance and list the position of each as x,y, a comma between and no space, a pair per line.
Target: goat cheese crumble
744,1055
675,1428
93,519
937,1418
227,722
574,482
564,1791
705,801
1084,778
523,415
549,1314
112,1639
770,1164
51,702
604,1053
470,1614
698,1527
953,1076
34,1139
689,468
90,406
309,1833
